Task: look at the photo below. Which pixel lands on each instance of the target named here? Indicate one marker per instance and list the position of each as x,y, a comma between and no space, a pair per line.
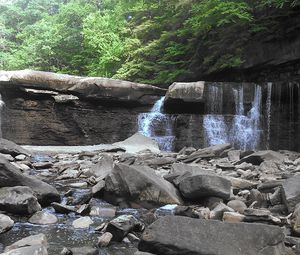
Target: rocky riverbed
130,198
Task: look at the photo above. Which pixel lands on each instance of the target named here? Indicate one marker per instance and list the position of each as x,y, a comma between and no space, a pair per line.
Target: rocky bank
131,198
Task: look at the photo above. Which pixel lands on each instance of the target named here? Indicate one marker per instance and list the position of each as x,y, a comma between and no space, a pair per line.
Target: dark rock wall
44,122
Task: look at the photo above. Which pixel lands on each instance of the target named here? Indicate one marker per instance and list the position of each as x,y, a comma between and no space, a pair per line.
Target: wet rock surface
159,203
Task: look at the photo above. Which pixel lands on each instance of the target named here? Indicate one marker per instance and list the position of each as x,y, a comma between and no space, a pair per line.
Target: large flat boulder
208,152
291,192
199,186
94,88
258,157
35,244
140,185
174,235
138,143
10,176
9,147
181,95
18,200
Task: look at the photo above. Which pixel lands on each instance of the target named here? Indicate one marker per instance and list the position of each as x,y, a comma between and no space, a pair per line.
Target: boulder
209,152
140,184
183,96
138,143
121,226
43,218
83,222
258,157
181,235
11,176
64,209
103,168
6,223
96,88
35,243
291,192
18,200
9,147
36,249
84,251
203,185
105,239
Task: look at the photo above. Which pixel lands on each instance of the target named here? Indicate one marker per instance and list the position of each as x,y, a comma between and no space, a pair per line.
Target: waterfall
244,130
1,106
157,125
268,110
215,128
214,123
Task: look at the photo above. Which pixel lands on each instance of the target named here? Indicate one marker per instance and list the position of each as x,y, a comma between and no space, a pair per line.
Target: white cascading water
268,110
157,125
214,124
244,131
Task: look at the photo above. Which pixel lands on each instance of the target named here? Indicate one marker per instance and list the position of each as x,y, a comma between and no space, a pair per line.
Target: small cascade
215,102
1,106
214,124
215,128
158,126
243,131
268,111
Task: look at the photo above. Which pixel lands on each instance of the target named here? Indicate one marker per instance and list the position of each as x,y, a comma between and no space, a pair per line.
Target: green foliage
149,41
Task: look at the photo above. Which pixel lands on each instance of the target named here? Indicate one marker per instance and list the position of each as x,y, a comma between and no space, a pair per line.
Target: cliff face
52,109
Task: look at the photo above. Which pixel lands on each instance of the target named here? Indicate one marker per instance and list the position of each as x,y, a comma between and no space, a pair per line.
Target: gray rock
103,168
291,192
65,209
138,143
201,185
233,217
39,240
181,235
83,222
6,223
36,249
121,226
18,200
98,188
209,152
20,157
84,251
140,184
156,162
104,212
237,205
105,239
234,155
258,157
9,147
219,210
10,176
43,218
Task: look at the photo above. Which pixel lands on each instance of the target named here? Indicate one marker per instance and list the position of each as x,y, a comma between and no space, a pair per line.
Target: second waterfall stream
157,125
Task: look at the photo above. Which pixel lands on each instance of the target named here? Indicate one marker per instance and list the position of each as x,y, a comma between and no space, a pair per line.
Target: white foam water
158,126
244,130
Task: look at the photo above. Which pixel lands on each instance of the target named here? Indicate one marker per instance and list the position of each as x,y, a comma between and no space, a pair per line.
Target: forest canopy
150,41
